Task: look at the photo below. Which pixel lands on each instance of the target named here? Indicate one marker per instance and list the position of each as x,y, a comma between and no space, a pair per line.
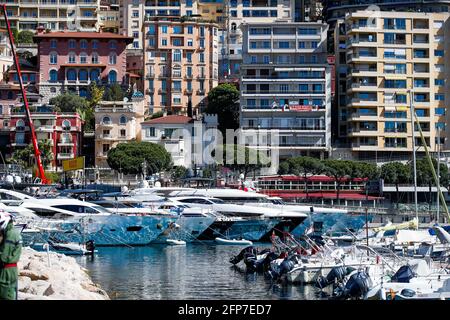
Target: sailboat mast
438,173
414,153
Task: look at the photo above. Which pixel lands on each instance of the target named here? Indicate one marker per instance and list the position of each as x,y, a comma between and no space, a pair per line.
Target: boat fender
408,293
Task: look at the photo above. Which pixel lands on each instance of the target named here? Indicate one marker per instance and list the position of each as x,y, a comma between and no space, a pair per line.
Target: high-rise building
383,61
337,9
180,63
286,86
81,15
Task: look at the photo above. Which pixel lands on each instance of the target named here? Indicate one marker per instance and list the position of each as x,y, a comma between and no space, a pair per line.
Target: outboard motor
403,275
248,250
336,274
90,246
357,286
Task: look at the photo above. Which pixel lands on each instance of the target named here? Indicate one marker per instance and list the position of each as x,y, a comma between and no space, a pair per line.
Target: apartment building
179,135
286,86
81,15
134,12
337,9
108,16
390,58
63,130
116,122
180,63
6,58
70,61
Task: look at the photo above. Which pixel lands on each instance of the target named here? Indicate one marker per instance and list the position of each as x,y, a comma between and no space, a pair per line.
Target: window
439,97
72,44
201,57
439,111
72,58
83,44
439,53
53,75
314,44
53,43
177,30
95,44
439,82
105,148
150,132
135,13
66,125
95,75
177,55
164,29
190,43
164,42
112,58
112,76
83,75
106,120
190,29
53,58
302,45
71,75
94,57
189,57
113,44
123,133
83,57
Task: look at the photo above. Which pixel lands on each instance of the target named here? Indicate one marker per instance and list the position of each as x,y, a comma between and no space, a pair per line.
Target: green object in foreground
10,250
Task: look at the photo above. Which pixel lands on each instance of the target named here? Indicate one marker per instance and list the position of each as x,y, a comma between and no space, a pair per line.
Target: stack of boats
149,216
392,266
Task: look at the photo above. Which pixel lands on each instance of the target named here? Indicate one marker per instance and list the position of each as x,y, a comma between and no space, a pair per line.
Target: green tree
395,173
114,93
158,114
95,94
338,170
25,36
240,158
304,167
178,172
425,175
128,158
223,100
25,156
15,33
69,102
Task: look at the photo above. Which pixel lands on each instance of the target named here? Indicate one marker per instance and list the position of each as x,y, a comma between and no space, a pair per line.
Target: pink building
70,61
63,130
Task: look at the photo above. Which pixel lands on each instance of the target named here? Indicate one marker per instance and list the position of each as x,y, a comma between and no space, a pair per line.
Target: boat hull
251,229
113,230
189,229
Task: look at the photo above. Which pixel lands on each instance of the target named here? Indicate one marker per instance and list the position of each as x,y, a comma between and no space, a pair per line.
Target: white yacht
93,222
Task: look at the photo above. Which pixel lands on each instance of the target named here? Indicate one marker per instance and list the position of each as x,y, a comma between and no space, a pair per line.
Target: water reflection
183,272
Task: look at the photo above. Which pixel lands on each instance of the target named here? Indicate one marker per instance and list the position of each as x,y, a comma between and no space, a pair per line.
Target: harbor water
195,271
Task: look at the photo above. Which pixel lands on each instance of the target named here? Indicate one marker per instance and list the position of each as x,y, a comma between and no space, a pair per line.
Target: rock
33,276
49,291
60,279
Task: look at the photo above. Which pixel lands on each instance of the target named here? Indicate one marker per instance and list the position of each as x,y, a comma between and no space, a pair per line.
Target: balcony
106,124
161,90
62,156
149,90
188,76
65,143
201,76
149,75
188,92
176,89
201,92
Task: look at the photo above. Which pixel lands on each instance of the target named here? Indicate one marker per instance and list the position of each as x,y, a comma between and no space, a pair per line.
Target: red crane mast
37,153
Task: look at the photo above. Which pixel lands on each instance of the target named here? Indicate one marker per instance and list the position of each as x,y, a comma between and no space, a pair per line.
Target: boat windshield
217,201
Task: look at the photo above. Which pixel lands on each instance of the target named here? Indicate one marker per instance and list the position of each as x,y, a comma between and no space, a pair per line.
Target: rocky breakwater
61,279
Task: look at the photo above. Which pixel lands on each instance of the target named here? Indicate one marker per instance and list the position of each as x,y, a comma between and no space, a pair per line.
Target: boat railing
382,256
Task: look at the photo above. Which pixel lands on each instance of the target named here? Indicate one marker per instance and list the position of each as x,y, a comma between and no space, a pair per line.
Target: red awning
320,195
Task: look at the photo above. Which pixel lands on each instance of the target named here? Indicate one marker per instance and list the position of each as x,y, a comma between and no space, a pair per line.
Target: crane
37,153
